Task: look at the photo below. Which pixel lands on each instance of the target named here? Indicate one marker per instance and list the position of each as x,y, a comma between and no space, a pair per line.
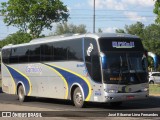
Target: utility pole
94,17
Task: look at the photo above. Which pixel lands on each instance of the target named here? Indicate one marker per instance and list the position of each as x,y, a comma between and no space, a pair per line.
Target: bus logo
33,69
89,50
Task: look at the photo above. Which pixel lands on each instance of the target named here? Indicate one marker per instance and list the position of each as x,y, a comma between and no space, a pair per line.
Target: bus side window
60,51
34,53
74,48
6,55
92,59
47,52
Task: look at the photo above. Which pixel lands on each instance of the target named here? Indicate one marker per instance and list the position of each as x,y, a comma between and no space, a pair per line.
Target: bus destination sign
116,44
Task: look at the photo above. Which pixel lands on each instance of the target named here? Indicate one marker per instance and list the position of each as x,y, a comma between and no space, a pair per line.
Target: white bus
82,68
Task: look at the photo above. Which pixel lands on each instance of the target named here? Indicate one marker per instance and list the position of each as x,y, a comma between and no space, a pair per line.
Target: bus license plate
130,97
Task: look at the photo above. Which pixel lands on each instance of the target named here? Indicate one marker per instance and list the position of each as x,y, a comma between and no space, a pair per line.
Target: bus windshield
125,61
125,68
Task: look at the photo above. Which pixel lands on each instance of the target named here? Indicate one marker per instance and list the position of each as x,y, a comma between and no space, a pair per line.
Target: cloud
110,4
110,29
143,3
120,4
133,16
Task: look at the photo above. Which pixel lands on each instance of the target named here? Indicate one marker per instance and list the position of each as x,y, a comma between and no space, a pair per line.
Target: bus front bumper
116,97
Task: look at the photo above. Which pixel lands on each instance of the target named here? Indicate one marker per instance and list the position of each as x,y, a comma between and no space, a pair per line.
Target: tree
134,29
157,11
16,38
151,38
120,31
100,30
33,15
69,28
150,35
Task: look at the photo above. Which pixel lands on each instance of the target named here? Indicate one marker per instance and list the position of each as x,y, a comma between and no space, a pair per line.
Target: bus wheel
21,94
151,82
78,98
115,104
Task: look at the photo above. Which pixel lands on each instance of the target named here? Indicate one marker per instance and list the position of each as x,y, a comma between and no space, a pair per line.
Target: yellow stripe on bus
60,75
14,84
26,78
82,77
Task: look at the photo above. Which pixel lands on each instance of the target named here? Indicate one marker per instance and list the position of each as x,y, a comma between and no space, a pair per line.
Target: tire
151,82
115,104
21,94
78,98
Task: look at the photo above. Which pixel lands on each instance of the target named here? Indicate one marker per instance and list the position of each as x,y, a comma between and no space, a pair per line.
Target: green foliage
69,28
135,29
120,31
154,89
152,45
157,11
100,30
16,38
0,83
151,38
150,35
150,63
34,15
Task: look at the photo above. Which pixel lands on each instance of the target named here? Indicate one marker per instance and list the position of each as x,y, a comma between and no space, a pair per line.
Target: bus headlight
144,89
112,91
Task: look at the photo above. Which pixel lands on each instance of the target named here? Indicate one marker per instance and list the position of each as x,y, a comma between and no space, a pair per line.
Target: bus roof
70,36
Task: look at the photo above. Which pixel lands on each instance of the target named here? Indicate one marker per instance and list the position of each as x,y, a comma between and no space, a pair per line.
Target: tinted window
68,50
34,53
5,55
60,51
56,51
47,52
92,59
74,48
24,54
14,55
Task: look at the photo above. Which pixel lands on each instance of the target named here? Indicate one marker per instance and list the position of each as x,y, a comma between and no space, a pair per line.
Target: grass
0,83
154,89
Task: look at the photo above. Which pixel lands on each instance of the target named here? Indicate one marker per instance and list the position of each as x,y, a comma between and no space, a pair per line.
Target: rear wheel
78,98
21,94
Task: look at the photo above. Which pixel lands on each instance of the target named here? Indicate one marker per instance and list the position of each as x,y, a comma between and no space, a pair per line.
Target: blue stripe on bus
72,78
19,78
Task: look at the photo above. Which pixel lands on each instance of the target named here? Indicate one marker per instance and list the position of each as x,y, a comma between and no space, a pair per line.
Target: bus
105,68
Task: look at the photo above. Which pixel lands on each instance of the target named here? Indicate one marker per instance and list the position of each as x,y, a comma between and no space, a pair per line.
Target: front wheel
21,94
151,82
78,98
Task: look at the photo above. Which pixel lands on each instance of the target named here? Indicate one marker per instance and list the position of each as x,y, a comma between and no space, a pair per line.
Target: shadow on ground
146,104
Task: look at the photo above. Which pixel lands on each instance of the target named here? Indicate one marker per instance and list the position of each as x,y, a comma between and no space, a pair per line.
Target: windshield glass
125,68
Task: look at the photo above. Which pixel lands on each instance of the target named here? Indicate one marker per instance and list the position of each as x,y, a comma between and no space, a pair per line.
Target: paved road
150,104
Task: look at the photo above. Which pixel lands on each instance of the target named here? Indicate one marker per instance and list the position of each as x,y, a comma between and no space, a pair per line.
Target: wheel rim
21,93
79,98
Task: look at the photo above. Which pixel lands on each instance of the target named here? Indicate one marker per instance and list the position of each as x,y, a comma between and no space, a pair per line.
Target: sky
110,15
